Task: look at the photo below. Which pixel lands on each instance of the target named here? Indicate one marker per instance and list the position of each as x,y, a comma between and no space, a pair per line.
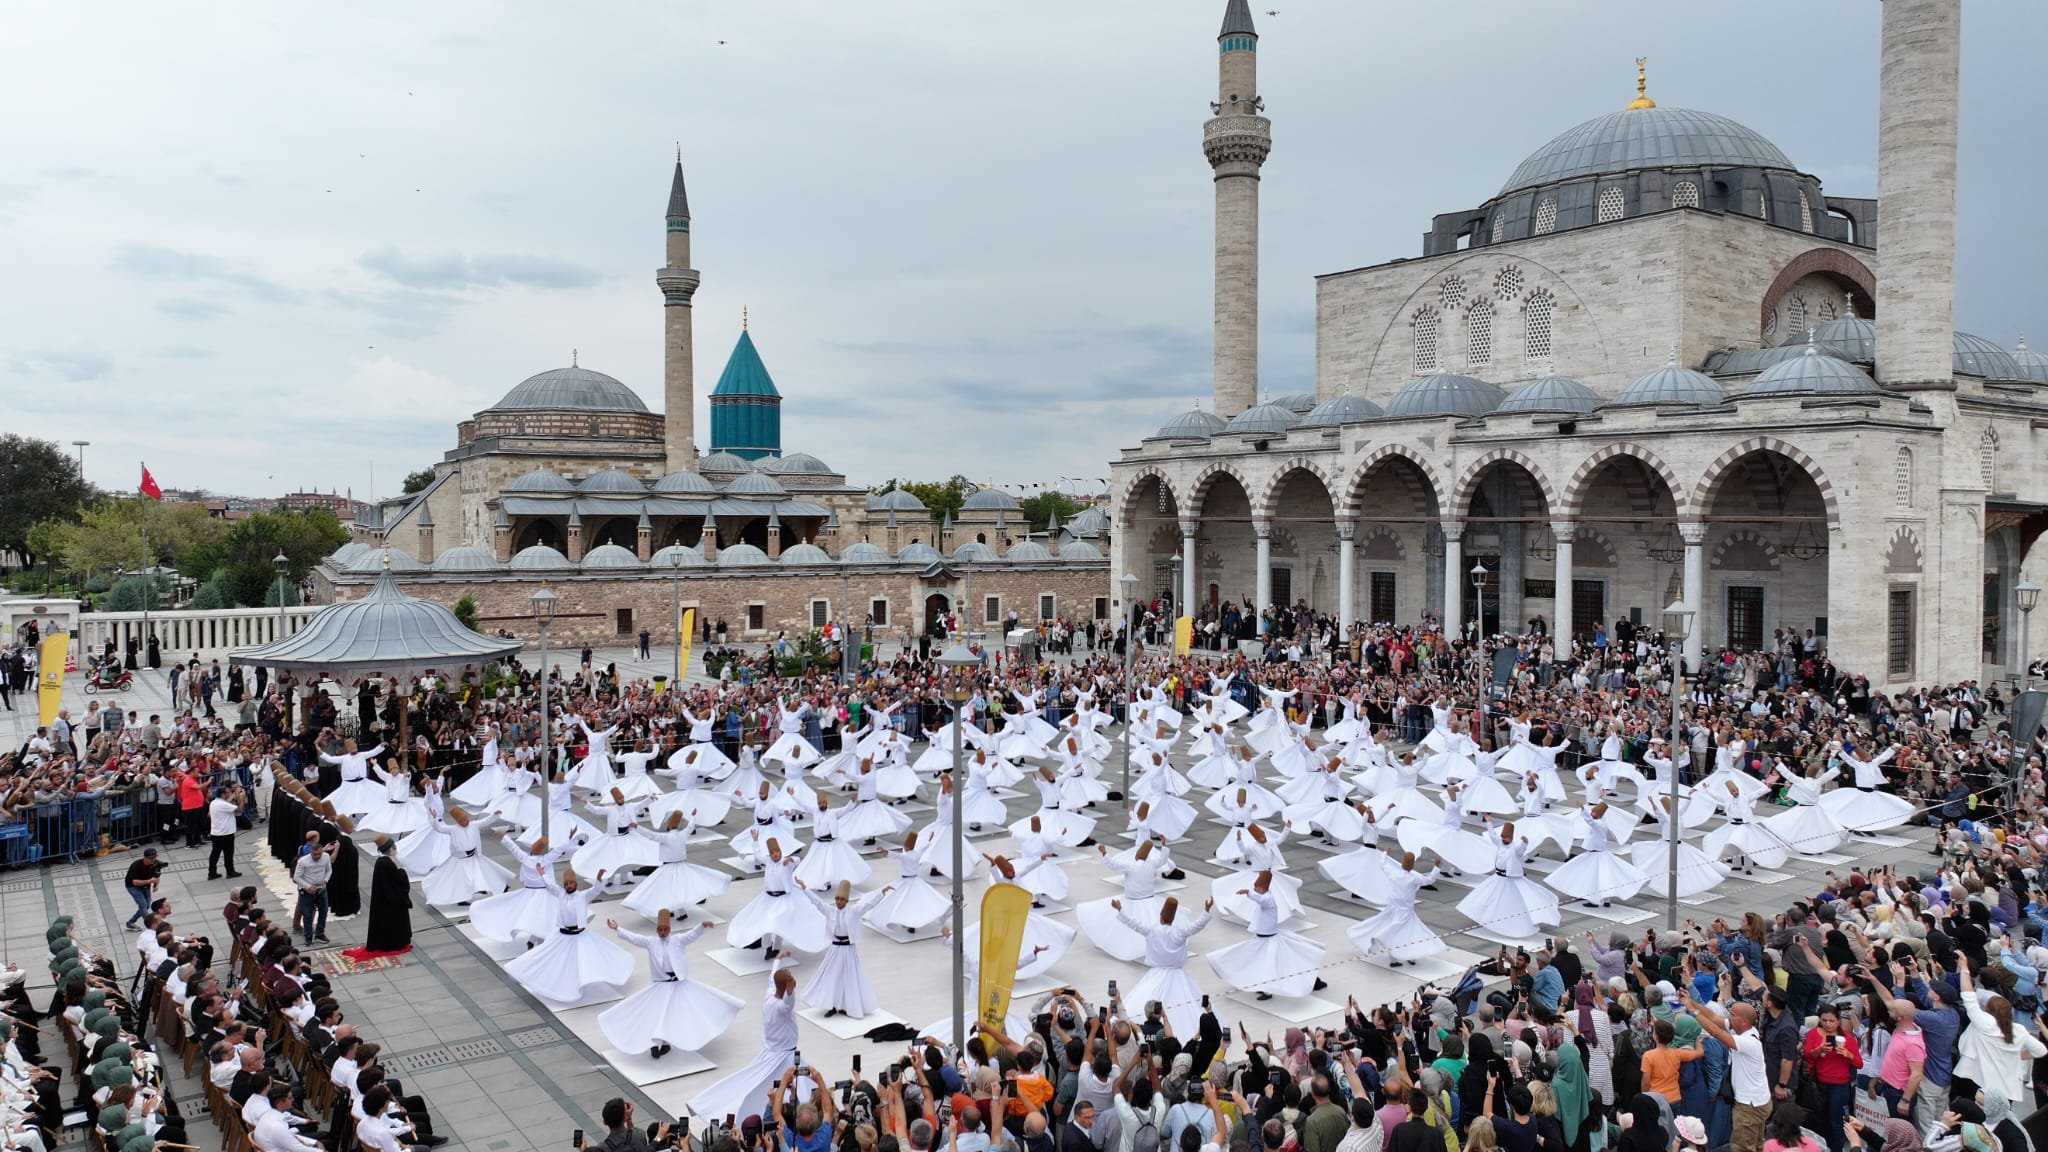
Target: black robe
390,901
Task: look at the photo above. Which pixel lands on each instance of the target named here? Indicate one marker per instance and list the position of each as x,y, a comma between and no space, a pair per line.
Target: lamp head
281,562
543,601
2028,594
1678,620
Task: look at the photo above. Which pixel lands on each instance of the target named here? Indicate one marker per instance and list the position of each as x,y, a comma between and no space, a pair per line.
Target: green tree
38,481
939,496
211,595
1039,509
465,611
418,481
129,594
245,557
109,534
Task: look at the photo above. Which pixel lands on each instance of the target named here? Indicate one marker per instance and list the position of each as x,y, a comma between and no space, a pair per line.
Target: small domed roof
372,560
862,552
1748,361
797,464
609,557
342,556
1028,551
755,484
895,500
1079,552
465,559
1298,403
616,481
685,484
1444,394
1193,425
805,554
1263,420
724,462
989,500
918,552
540,480
1638,138
740,555
1851,338
1811,373
1976,356
1093,522
539,558
975,551
1671,385
677,556
1342,409
2033,365
1551,394
574,388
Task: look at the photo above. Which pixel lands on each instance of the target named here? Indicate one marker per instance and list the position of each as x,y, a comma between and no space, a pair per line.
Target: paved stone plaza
504,1073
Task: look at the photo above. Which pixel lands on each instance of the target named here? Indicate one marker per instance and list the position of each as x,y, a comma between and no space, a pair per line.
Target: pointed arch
1575,490
1421,478
1198,491
1710,480
1469,483
1128,503
1266,504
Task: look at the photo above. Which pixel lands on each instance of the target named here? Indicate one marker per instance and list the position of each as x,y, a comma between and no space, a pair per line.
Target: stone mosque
572,481
1659,363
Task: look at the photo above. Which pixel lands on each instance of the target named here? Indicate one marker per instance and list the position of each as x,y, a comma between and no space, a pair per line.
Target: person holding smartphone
1833,1058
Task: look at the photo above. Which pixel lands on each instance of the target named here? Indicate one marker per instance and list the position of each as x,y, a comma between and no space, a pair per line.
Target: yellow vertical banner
50,658
1004,908
1183,635
686,631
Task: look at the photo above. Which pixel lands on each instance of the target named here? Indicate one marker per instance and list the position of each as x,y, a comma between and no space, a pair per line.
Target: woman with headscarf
1897,1135
1645,1131
1568,1083
1998,1118
1479,1060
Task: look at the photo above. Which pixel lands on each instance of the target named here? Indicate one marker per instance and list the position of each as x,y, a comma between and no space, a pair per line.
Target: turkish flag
149,487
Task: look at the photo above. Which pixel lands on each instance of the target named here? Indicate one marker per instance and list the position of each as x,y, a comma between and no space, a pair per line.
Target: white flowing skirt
1099,923
519,809
828,862
396,817
840,983
791,751
565,967
593,774
1286,892
1363,872
1176,992
356,797
911,904
463,879
981,807
700,807
680,1013
1462,850
1487,795
1047,881
871,820
479,790
1512,906
1697,871
563,826
1398,933
677,886
1170,816
1861,811
1263,804
615,855
752,841
1334,818
1213,772
1753,839
744,1093
1598,878
1807,829
1068,829
896,781
1283,964
935,852
703,759
422,851
522,913
791,917
1157,783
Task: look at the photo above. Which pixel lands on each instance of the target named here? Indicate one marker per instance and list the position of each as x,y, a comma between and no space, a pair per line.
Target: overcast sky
264,246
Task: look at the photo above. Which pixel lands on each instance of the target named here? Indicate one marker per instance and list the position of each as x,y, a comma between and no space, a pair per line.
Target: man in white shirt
222,814
274,1129
1745,1070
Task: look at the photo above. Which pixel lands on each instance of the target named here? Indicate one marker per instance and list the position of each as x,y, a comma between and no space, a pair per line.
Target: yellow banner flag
686,631
1004,908
1183,635
50,657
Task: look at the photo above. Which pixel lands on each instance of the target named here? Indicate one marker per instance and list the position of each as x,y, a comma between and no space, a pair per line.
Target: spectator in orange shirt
1660,1064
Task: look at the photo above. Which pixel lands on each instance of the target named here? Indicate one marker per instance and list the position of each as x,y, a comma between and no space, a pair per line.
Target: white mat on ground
642,1069
901,936
1532,943
747,961
847,1027
1616,913
1293,1009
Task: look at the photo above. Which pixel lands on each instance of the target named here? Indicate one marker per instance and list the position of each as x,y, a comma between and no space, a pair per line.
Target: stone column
1694,534
1561,606
1454,579
501,538
1921,61
643,538
1263,529
426,543
1236,142
1188,576
1347,578
709,538
575,538
775,537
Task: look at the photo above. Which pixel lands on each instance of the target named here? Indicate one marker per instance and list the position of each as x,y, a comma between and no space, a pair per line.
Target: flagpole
148,562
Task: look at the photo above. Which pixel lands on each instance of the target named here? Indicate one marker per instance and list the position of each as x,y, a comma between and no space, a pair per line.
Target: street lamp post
543,602
280,562
2029,595
675,609
81,445
1129,580
958,661
1677,626
1479,623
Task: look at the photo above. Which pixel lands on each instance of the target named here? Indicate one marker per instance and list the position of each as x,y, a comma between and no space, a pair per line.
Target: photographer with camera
621,1136
807,1126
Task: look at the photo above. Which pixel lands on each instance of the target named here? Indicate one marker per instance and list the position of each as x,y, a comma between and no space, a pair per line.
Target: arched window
1479,335
1770,325
1805,214
1610,204
1508,285
1685,194
1536,318
1795,314
1987,458
1546,218
1902,480
1827,311
1500,225
1427,356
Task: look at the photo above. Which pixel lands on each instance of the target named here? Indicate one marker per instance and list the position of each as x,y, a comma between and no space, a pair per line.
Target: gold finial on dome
1642,99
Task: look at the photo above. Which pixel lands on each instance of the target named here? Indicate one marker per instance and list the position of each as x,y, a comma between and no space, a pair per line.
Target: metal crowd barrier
82,826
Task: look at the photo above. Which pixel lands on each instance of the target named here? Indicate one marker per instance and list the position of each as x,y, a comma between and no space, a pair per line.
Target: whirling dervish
572,964
1597,875
357,794
778,916
1751,841
1865,809
1508,903
840,986
1166,976
466,875
676,885
673,1011
594,772
1396,932
1697,871
1274,962
1807,827
527,912
1140,872
911,904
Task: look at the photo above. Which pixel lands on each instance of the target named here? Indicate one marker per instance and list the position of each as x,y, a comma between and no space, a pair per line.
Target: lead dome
1444,394
574,388
1636,138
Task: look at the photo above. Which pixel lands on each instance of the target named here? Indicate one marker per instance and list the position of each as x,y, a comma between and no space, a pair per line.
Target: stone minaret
1236,141
678,282
1916,189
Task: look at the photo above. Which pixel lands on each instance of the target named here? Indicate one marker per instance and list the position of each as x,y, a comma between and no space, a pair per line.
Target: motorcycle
108,677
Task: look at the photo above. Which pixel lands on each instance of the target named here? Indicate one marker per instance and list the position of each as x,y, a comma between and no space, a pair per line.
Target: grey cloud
454,271
193,308
400,312
155,262
69,367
